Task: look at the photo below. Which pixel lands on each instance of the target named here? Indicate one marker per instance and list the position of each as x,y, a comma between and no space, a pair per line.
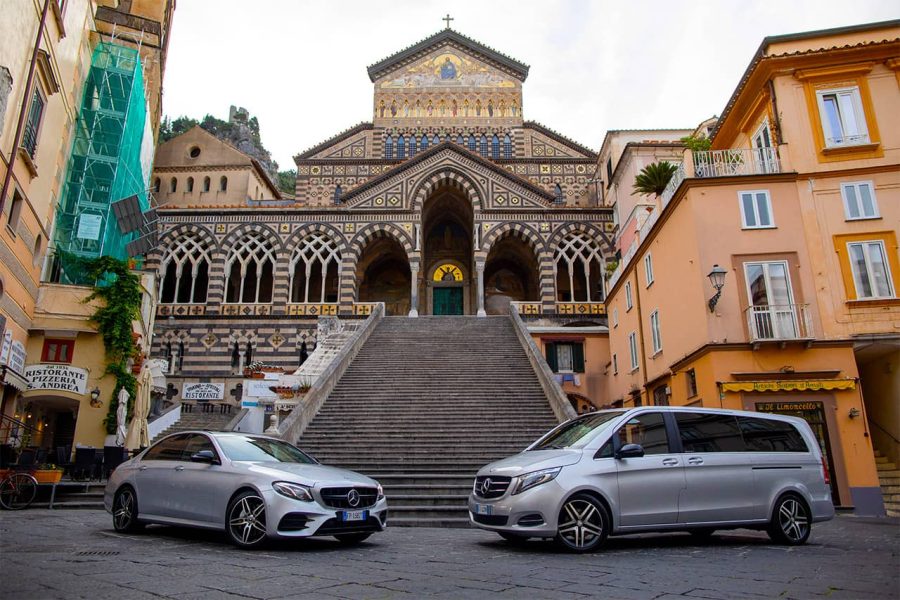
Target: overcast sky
300,65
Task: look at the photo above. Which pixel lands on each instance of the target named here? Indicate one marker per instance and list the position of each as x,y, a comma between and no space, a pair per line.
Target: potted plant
48,473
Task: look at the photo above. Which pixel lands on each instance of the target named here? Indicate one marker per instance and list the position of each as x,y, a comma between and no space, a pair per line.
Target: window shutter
551,357
578,358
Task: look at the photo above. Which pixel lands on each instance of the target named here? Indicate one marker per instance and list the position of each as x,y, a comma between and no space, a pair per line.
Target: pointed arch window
495,147
577,265
472,142
459,140
250,271
424,142
337,194
184,271
435,140
206,183
484,146
507,147
315,268
389,147
558,195
401,147
413,145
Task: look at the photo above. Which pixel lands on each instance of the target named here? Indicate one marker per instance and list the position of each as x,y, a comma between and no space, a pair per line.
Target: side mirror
204,456
630,451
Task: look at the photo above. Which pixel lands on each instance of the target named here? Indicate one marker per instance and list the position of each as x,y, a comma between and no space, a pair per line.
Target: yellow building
766,276
53,56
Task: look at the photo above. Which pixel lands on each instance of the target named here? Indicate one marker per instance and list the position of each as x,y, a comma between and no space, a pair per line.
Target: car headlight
535,478
294,491
380,493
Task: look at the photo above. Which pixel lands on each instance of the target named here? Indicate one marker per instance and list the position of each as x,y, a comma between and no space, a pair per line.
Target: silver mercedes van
654,468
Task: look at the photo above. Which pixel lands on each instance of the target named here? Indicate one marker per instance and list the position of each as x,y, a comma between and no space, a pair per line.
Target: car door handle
179,468
695,460
142,468
670,462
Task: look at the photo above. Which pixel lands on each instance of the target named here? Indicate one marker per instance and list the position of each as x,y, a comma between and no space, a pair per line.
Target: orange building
766,276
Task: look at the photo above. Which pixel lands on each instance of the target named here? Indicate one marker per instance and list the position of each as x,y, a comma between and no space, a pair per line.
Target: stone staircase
424,405
889,477
197,419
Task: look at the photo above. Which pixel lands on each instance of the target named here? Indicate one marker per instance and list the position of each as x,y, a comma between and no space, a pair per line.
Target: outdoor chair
64,459
113,456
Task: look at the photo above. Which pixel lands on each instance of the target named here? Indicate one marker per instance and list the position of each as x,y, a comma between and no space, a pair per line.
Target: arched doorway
384,276
510,275
447,222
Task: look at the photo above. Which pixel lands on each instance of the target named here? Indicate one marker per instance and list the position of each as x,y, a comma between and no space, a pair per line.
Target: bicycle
17,491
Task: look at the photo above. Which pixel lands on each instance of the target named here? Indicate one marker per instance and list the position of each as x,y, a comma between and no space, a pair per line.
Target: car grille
532,520
496,488
337,497
495,520
293,522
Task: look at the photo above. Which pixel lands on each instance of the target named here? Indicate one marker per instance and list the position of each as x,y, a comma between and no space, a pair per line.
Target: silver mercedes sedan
254,487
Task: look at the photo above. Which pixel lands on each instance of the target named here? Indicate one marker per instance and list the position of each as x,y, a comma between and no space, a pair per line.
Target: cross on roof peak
447,19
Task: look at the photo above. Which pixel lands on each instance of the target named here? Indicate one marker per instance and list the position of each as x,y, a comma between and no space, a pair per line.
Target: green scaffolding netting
105,164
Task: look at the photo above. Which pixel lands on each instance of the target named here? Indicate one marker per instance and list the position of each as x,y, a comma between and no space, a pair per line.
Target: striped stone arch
588,228
445,175
267,232
516,230
155,256
290,243
349,286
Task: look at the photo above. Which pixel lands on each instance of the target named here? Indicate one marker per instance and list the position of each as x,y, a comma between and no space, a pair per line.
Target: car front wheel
246,521
583,524
125,511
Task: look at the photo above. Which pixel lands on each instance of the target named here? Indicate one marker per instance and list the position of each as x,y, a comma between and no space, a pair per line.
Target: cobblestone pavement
76,554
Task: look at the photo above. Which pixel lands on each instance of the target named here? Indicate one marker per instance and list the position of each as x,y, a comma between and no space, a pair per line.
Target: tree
170,129
694,143
654,178
286,181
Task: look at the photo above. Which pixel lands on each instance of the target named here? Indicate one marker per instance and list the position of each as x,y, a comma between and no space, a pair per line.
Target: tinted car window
706,432
768,435
258,449
648,430
195,444
168,449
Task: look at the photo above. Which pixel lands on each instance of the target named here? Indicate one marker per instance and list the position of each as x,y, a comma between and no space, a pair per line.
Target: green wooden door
448,301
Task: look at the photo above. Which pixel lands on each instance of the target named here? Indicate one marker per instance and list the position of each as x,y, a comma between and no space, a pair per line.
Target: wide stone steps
198,420
424,405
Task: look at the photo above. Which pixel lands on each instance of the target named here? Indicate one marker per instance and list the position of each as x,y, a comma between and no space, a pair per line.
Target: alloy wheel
123,511
793,520
582,524
247,520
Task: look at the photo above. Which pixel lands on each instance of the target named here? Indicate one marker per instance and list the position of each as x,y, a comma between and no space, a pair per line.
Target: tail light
825,472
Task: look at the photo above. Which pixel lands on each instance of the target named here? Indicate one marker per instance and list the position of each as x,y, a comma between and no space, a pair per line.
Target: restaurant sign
800,385
56,377
203,391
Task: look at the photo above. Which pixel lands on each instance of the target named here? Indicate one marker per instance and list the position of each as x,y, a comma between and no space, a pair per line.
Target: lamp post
717,279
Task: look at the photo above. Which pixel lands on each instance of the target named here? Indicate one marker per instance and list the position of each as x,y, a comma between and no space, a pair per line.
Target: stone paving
76,554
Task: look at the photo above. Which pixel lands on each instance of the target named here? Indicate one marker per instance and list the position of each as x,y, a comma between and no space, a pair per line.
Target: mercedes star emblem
485,487
353,498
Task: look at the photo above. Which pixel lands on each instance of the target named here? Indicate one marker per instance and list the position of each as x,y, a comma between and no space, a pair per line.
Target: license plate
484,509
354,515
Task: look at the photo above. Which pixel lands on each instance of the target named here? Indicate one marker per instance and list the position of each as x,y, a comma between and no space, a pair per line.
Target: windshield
258,449
576,433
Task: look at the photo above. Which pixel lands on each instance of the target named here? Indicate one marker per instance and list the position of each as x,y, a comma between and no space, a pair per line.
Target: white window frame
632,348
628,301
856,186
615,317
869,273
648,269
860,138
753,194
654,331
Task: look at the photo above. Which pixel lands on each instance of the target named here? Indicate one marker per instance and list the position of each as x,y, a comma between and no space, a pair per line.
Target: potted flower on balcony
48,473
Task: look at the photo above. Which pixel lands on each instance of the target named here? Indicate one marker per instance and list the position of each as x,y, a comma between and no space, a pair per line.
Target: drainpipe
23,110
643,348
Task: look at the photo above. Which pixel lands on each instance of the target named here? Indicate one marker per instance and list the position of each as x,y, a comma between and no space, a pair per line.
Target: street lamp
717,279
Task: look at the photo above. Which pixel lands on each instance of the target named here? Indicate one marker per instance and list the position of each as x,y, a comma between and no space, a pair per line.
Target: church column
414,289
479,270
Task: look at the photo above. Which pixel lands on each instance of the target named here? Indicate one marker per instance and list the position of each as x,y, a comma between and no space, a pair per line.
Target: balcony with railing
779,323
735,162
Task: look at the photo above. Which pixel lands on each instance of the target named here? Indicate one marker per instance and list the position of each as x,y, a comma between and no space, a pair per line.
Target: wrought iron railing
737,161
779,322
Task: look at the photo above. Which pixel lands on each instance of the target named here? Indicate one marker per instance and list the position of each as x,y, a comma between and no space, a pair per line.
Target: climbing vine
120,291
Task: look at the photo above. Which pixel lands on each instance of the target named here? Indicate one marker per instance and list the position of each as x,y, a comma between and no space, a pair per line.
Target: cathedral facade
447,202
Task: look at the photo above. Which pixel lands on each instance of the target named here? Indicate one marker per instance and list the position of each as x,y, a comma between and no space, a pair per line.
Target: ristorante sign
56,377
203,391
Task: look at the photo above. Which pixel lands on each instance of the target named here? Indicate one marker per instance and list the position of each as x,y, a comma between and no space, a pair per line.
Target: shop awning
14,379
799,385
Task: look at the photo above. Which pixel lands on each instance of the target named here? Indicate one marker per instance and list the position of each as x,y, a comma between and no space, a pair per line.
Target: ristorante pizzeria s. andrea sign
56,377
